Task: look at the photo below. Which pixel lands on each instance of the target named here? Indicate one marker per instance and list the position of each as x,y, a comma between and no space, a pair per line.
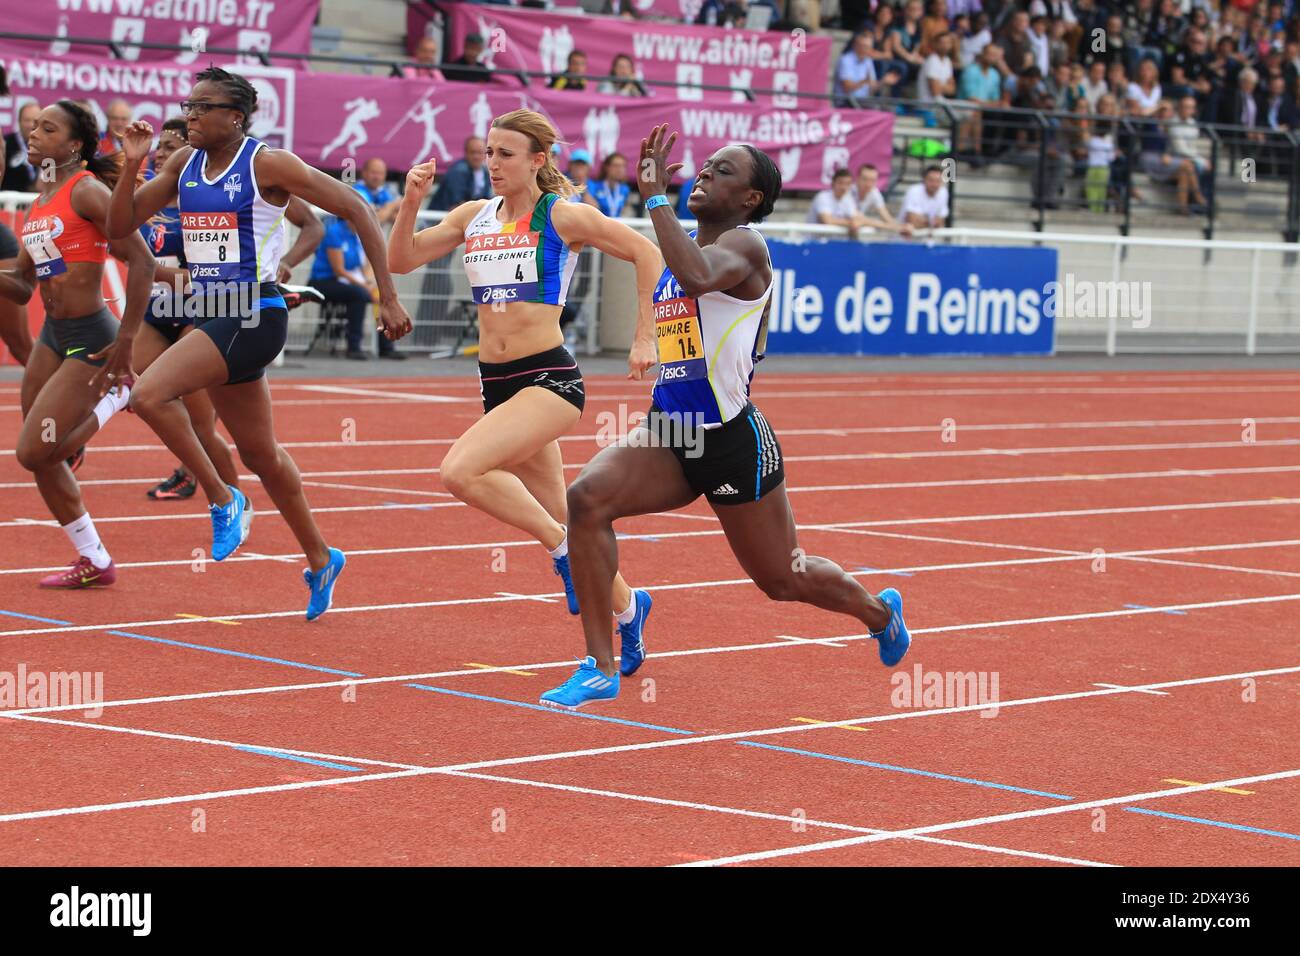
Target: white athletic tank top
707,348
521,261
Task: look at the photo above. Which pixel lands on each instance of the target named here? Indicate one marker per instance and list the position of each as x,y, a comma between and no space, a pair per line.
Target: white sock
85,539
561,549
626,617
113,402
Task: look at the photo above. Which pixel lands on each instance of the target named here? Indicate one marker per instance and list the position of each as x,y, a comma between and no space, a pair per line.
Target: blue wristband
656,201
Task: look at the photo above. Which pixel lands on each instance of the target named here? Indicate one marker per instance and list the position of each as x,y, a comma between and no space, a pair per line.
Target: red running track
1116,556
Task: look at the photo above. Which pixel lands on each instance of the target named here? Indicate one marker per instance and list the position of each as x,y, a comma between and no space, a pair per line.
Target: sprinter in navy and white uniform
234,193
703,435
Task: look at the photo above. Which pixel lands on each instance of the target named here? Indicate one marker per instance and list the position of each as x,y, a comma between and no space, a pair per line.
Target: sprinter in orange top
64,249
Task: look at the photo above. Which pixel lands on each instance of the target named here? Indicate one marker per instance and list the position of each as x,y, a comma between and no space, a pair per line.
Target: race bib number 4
211,244
681,347
38,238
502,266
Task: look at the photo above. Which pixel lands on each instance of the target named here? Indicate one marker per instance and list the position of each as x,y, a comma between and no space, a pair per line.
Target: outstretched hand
653,171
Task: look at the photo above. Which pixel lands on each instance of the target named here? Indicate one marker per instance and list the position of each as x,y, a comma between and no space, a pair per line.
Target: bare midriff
517,330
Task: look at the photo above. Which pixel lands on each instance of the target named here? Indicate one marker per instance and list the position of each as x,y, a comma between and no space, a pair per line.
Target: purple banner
330,119
196,24
522,39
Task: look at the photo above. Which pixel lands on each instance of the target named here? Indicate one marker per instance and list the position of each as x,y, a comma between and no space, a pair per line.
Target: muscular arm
279,169
579,223
408,249
19,283
734,257
131,208
90,200
310,232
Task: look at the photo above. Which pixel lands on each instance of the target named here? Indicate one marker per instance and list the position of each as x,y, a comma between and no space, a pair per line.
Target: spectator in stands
1109,48
871,208
1060,12
574,72
623,79
1277,112
855,75
1015,44
925,204
938,74
836,206
1045,143
1158,161
730,13
621,8
426,61
611,189
119,118
1102,133
1144,94
1165,32
1092,16
1136,46
905,40
1040,45
579,172
882,38
341,274
933,23
1117,83
1223,69
1064,90
465,68
1244,107
1094,84
977,39
374,186
1184,133
1188,68
465,179
981,83
19,174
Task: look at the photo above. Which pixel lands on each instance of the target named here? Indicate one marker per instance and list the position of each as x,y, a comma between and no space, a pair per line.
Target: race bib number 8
502,266
680,345
211,244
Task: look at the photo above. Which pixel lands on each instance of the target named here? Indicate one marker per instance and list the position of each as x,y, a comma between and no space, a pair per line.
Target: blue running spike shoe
633,653
230,524
583,687
562,569
322,584
894,639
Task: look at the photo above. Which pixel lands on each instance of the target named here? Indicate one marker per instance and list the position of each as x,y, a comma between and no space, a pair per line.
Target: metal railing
1248,302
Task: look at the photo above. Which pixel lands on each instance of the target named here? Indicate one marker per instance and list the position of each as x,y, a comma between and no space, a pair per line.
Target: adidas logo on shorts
725,490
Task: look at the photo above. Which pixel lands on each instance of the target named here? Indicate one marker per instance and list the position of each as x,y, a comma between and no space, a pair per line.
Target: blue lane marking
284,756
901,574
33,617
1214,823
229,653
1147,607
920,773
551,710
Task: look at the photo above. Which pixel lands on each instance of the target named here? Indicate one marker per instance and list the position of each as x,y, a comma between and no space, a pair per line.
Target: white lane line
566,788
1234,423
1156,693
808,640
687,741
387,491
869,486
375,393
686,652
997,818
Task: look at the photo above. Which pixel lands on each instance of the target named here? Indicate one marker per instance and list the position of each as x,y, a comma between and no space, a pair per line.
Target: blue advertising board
850,298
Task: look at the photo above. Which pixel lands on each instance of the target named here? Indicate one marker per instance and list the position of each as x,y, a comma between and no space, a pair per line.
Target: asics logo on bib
497,294
667,372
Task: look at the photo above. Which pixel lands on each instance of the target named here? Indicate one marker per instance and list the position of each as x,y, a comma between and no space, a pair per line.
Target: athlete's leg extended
56,398
478,469
763,538
621,481
246,411
543,476
193,363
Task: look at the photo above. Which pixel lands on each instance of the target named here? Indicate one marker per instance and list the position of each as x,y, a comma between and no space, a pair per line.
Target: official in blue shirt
339,273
